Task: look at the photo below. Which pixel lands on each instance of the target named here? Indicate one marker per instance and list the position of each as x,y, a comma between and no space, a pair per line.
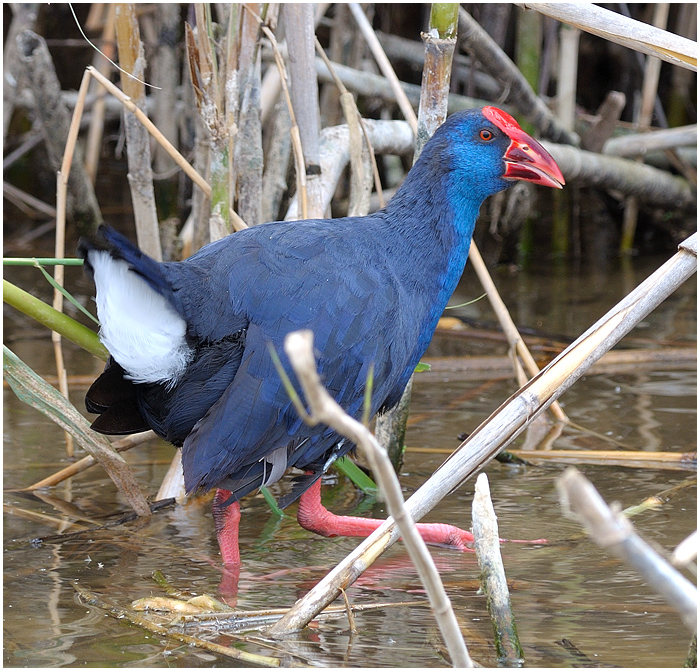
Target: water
574,603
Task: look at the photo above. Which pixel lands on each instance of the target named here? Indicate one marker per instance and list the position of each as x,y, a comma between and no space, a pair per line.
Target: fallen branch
505,424
611,530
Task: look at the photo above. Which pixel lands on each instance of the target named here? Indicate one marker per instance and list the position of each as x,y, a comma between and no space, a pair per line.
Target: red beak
525,158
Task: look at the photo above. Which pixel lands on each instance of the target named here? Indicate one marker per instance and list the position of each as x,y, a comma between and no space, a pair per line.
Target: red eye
486,135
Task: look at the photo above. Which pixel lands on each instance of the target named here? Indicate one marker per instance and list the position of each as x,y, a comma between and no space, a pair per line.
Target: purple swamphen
189,341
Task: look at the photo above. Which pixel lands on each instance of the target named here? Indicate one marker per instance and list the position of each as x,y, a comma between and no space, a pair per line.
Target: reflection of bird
190,341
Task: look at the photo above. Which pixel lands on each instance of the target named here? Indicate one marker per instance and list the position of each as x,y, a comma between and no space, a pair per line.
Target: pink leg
226,521
314,517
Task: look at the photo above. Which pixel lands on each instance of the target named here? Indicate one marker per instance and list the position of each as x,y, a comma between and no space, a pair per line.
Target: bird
190,341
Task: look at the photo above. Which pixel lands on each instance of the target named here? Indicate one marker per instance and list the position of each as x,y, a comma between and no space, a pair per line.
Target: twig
493,576
613,531
132,62
299,349
639,144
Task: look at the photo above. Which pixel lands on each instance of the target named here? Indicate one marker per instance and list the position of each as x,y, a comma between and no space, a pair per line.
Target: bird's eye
486,135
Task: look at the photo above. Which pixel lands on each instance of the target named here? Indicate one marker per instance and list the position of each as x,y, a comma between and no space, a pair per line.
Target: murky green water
575,604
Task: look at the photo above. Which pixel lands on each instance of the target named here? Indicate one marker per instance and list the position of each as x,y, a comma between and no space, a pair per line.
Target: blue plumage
370,288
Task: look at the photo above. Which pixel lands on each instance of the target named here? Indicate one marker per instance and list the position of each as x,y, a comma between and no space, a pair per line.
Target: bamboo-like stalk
650,83
31,389
504,425
140,175
54,320
613,531
299,22
59,249
299,161
567,76
621,30
439,44
299,349
249,150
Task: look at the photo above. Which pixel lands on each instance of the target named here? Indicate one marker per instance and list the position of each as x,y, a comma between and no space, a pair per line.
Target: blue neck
436,216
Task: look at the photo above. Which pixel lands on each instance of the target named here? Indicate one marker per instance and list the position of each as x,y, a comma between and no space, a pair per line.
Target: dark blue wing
281,279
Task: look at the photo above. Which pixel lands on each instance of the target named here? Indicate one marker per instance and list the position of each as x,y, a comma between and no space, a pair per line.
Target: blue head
480,152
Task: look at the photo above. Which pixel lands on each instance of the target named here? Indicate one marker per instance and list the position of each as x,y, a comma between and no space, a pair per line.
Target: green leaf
360,479
65,293
271,501
461,305
422,367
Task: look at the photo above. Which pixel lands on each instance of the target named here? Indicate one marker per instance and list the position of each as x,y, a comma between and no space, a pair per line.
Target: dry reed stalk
248,152
59,248
83,464
650,84
613,531
96,129
299,161
303,89
140,174
567,76
166,77
504,425
384,65
492,576
621,30
238,223
360,186
323,409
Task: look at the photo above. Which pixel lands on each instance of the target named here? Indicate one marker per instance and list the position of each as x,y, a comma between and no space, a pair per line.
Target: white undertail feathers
141,330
